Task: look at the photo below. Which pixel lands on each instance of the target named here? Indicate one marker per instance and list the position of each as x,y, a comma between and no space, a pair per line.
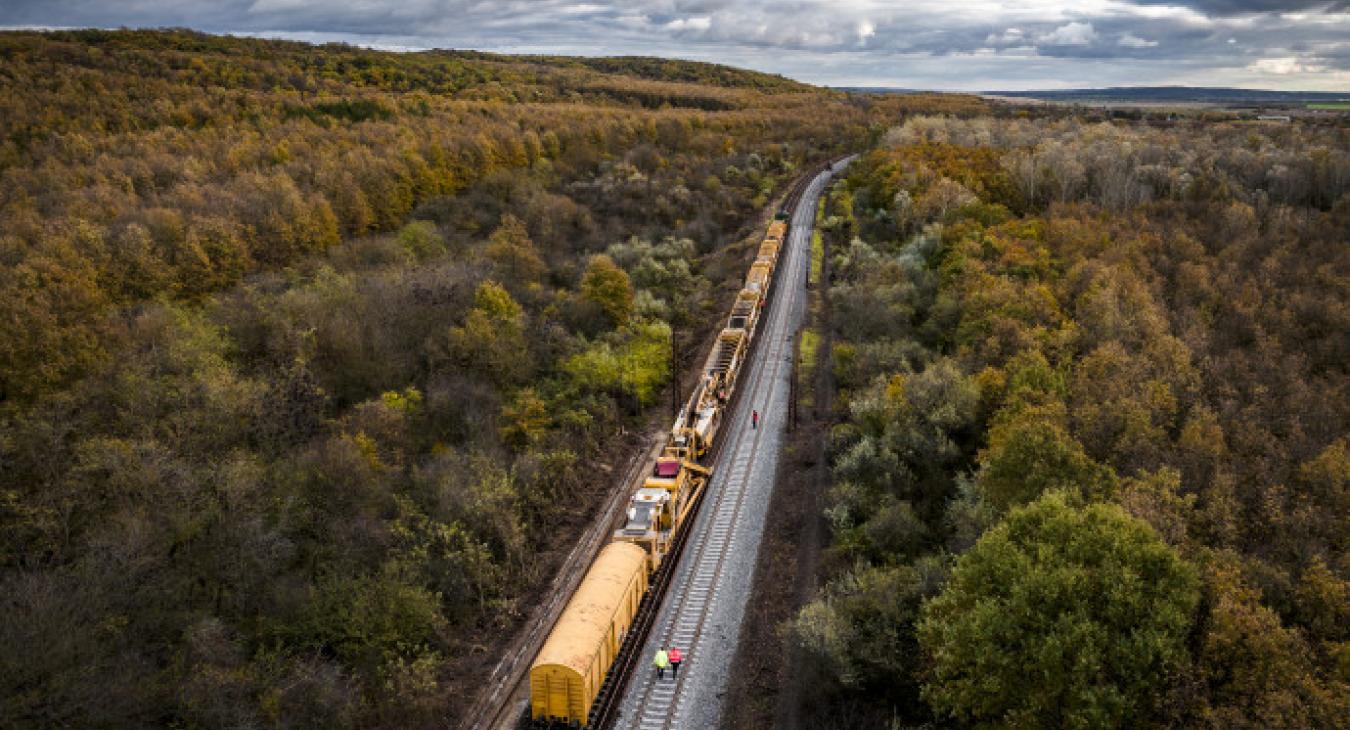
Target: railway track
707,594
501,705
630,659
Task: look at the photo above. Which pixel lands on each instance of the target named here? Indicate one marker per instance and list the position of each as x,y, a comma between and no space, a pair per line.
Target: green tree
637,367
492,339
525,419
422,240
369,619
1031,454
606,287
862,628
1059,617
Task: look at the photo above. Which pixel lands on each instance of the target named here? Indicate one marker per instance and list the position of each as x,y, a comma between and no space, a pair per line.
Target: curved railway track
502,703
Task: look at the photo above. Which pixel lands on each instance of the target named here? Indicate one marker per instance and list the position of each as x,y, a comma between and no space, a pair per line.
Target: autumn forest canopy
1088,458
316,360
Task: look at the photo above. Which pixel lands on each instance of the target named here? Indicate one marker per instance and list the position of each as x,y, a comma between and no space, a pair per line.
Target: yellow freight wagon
573,662
768,249
759,276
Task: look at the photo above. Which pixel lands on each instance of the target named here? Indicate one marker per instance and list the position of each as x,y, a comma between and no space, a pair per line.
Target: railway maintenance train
573,666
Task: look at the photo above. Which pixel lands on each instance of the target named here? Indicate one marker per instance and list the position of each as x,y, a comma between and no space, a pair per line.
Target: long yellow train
571,668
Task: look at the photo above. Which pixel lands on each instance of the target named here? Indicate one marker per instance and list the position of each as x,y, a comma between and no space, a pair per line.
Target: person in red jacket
675,659
754,419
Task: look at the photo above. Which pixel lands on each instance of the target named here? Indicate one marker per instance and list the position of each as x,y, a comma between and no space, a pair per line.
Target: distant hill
1193,94
461,73
1140,94
657,69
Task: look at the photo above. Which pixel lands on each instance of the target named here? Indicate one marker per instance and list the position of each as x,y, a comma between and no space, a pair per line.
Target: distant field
1340,105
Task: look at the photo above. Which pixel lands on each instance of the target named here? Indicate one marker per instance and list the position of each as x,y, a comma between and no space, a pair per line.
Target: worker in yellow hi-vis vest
661,662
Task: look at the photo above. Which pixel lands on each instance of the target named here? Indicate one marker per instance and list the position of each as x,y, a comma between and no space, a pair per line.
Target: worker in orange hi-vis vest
754,419
675,658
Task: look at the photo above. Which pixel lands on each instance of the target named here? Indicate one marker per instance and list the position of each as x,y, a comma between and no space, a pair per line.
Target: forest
1088,457
313,359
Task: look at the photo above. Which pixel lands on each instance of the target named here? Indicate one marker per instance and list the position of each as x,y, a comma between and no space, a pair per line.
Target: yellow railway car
768,249
573,662
758,278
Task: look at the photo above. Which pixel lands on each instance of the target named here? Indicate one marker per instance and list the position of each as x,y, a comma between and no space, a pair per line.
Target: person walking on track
675,659
754,419
661,662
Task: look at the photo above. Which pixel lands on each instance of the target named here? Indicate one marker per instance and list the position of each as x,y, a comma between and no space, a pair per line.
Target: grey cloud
1241,7
817,40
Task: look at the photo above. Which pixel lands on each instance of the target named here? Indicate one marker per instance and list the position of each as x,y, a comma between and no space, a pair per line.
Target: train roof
586,620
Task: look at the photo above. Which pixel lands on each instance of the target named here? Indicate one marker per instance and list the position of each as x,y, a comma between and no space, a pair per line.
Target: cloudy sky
934,44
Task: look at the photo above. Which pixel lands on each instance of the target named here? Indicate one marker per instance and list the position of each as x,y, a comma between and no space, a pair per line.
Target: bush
369,620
